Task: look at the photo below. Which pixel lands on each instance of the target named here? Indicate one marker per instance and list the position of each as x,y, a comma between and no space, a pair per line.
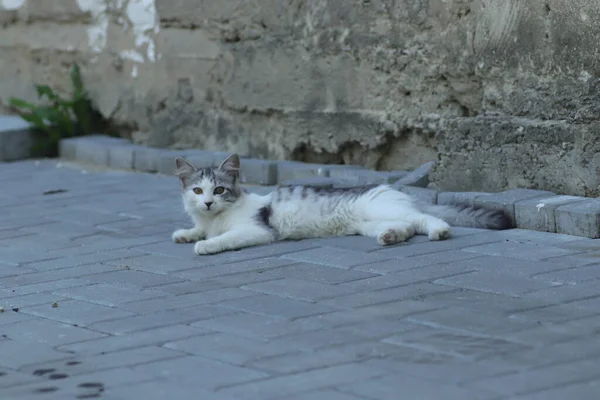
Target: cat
226,217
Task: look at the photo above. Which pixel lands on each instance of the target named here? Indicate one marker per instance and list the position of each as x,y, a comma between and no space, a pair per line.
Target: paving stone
314,273
494,282
99,362
325,395
386,388
108,295
261,264
467,198
357,176
151,337
185,300
15,138
518,250
334,257
261,172
580,390
318,182
571,276
579,219
304,381
427,196
133,278
298,289
290,170
276,306
48,332
158,390
94,149
539,379
205,159
10,317
506,200
539,214
122,156
418,177
229,348
416,292
346,354
76,312
203,372
9,377
165,163
425,260
51,286
85,263
129,323
146,158
17,355
256,326
35,299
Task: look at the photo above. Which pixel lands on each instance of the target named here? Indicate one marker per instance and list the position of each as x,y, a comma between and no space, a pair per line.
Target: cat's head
209,191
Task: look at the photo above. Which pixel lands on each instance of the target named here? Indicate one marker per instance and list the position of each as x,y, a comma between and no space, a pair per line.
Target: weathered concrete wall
503,93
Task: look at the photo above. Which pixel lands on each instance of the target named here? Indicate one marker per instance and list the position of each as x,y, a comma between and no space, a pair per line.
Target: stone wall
502,93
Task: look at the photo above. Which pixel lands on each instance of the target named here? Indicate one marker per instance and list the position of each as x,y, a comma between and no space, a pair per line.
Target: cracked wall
387,84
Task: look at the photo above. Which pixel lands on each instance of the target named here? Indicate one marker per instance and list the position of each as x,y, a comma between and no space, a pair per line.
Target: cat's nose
208,204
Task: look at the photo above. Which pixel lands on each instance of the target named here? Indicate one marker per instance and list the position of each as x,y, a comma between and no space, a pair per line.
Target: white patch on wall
11,4
98,29
142,15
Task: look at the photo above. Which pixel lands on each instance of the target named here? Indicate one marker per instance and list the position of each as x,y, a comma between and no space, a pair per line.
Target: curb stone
571,215
419,177
15,138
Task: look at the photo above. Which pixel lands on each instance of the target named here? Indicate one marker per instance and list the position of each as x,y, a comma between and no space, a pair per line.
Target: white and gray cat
226,217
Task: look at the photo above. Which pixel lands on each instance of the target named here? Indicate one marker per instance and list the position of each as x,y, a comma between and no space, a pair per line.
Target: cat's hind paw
186,236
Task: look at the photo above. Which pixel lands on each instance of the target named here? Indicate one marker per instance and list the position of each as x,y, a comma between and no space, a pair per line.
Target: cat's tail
469,216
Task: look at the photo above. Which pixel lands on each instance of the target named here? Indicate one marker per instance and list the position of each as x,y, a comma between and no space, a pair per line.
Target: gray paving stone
289,170
467,198
539,379
230,348
261,264
494,282
427,196
122,156
17,355
35,299
539,214
133,278
146,158
418,177
416,292
10,377
304,381
99,362
334,257
158,389
15,138
424,260
51,286
571,276
319,182
518,250
580,390
165,163
314,273
85,263
204,373
150,337
76,312
506,200
387,388
204,159
261,172
185,300
129,323
325,395
48,332
256,326
298,289
276,306
579,219
358,176
108,295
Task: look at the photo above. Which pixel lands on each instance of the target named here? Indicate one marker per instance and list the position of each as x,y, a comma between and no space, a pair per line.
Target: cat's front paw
441,233
206,247
186,236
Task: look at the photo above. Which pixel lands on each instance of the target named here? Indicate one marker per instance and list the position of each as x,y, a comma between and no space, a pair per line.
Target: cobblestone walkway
98,303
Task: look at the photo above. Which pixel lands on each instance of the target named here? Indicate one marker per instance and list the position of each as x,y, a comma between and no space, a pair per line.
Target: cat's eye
197,190
219,190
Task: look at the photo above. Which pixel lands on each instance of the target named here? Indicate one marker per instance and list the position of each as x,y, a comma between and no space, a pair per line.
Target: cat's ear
231,165
184,169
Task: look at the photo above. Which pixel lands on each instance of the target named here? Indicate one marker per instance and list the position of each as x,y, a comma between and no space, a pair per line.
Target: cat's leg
388,232
435,228
234,239
188,235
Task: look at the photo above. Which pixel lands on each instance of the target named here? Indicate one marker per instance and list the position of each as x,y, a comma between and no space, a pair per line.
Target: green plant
58,117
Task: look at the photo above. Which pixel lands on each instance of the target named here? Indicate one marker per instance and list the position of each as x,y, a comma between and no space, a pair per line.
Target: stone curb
529,209
15,138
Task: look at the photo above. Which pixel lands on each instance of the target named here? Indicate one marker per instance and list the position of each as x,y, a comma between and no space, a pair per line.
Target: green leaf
18,103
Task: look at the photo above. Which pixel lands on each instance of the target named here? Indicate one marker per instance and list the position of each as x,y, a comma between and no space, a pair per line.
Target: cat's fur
235,219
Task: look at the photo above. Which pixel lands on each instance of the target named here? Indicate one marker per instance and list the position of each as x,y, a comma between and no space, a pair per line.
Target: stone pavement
98,303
